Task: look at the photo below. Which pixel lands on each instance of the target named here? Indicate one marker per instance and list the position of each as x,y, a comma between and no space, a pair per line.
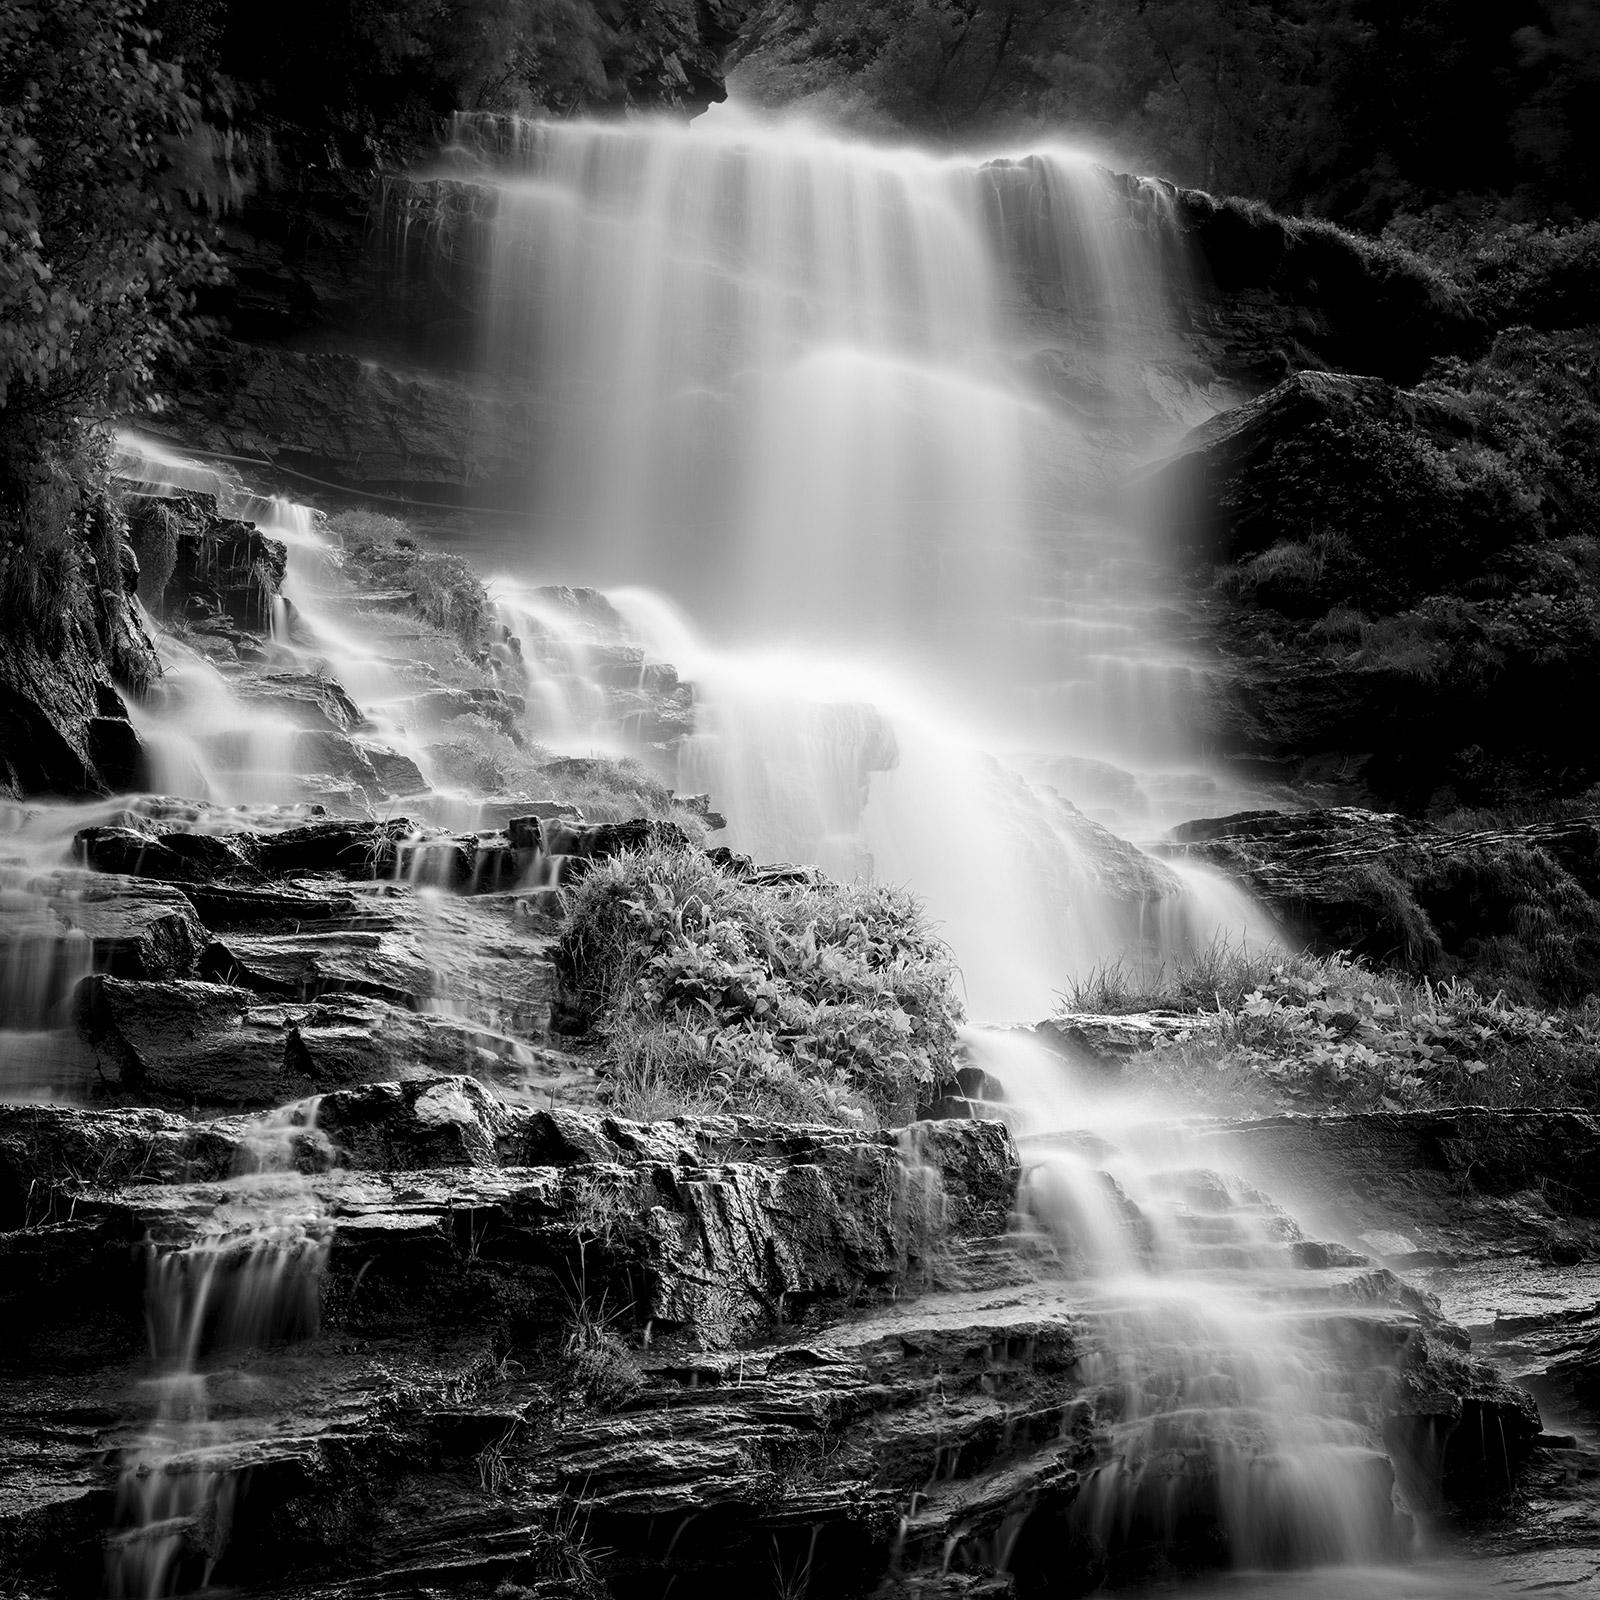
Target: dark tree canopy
1356,108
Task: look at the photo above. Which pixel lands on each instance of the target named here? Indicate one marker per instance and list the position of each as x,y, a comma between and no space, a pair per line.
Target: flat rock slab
190,1043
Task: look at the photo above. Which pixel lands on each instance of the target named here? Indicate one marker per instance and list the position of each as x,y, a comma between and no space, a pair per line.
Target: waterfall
843,418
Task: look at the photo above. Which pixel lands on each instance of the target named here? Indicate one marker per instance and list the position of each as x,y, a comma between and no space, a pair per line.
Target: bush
716,991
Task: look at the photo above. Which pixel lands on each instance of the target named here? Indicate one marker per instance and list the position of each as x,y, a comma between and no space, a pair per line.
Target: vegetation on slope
96,283
1274,1031
719,989
1438,549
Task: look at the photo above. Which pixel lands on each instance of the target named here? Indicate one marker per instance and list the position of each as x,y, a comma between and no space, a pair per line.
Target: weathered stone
307,699
125,927
168,856
214,1045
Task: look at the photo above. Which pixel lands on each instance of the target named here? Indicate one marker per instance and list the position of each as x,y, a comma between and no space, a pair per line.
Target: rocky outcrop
555,1342
1402,891
1431,1188
332,418
201,568
64,727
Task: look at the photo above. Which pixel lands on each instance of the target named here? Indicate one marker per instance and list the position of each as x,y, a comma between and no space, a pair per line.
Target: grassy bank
1274,1031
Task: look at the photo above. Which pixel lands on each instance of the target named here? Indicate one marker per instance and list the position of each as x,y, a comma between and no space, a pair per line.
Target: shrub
717,991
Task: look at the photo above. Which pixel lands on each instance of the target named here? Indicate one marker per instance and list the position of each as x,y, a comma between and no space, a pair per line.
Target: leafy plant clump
1328,1033
716,991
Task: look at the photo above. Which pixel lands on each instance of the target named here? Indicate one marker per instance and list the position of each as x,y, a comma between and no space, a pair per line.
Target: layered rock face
555,1348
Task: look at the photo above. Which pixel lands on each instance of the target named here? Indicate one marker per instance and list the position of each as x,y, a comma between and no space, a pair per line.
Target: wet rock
1417,1188
191,1043
186,1043
395,772
306,699
1456,1423
443,705
198,564
597,841
359,849
303,966
168,857
129,928
374,768
53,734
234,906
525,828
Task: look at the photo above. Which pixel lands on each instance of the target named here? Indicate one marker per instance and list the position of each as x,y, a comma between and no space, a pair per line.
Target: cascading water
801,387
841,418
252,1279
1227,1382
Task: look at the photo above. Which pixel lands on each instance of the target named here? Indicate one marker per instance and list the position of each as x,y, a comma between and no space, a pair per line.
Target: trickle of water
252,1280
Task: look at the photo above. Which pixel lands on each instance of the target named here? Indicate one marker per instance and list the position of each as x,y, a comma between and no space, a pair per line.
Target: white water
796,395
1225,1366
252,1280
797,392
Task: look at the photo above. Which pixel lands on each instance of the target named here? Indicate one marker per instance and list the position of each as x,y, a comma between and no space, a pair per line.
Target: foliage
1275,1030
97,278
717,992
1355,107
372,80
100,267
1444,542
